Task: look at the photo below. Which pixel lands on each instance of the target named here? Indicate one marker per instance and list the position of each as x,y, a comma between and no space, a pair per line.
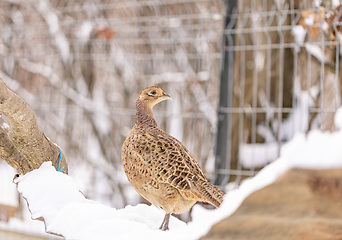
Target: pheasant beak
165,97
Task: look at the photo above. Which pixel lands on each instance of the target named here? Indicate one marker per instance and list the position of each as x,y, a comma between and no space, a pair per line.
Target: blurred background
245,77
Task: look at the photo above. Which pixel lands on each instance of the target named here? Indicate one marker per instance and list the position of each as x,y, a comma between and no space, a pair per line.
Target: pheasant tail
209,192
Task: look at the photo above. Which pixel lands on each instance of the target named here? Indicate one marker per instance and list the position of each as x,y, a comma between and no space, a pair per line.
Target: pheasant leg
165,224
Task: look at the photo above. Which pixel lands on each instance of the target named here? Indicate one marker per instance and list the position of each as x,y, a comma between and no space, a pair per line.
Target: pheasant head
147,99
150,96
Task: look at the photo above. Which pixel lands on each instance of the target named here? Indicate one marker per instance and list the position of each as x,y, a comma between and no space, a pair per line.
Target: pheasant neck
144,115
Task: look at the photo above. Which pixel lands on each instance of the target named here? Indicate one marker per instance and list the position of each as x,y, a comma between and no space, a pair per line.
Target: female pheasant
159,167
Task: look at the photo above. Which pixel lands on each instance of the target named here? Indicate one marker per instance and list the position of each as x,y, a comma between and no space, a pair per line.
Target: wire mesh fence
281,70
80,65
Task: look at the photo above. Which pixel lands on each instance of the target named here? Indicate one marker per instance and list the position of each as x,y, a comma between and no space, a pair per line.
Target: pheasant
159,167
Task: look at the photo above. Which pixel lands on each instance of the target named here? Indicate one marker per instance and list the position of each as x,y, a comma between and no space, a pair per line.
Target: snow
336,3
316,51
310,20
325,26
317,150
27,227
24,225
317,3
217,16
84,31
299,33
203,75
260,61
299,118
338,119
55,196
52,22
257,155
66,211
174,22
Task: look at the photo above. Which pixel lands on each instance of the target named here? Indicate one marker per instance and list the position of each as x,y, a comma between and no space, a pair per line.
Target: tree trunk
23,145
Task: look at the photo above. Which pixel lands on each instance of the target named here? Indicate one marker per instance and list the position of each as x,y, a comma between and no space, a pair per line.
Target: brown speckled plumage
159,167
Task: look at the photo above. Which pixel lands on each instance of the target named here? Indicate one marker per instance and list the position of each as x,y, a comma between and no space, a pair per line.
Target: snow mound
55,197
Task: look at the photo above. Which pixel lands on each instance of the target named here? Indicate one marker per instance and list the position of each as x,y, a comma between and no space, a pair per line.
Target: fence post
223,137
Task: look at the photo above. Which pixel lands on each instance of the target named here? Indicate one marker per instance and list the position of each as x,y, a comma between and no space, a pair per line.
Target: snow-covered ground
252,155
55,196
